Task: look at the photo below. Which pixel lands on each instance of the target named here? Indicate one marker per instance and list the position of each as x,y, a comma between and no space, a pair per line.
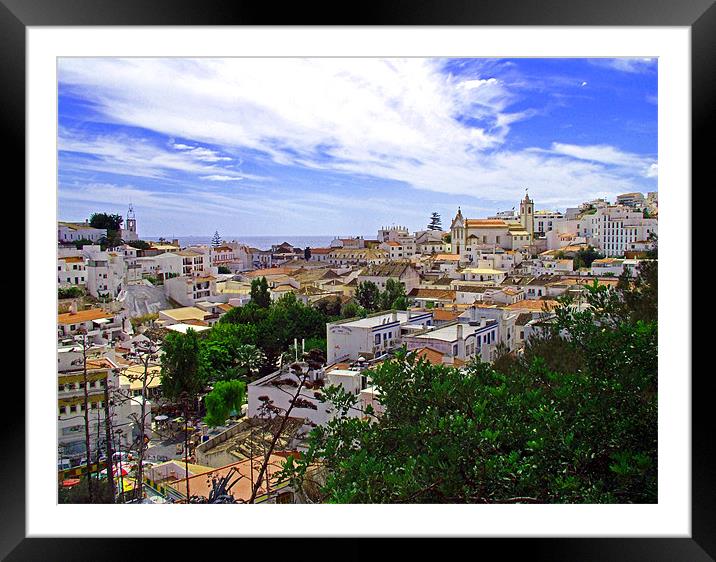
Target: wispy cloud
413,123
627,64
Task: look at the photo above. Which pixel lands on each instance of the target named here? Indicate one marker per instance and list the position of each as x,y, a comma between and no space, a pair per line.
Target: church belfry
131,224
527,214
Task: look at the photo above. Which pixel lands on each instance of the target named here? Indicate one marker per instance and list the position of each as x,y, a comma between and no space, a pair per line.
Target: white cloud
627,64
218,177
395,119
608,155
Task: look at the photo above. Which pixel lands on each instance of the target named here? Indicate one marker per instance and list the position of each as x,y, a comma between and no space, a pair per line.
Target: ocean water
260,242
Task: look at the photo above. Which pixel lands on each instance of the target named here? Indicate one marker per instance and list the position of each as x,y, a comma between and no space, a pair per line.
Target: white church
471,237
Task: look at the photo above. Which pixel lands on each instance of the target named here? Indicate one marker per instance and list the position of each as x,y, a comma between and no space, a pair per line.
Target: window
73,409
377,339
60,388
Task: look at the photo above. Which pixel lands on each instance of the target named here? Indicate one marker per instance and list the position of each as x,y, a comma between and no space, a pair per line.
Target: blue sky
343,146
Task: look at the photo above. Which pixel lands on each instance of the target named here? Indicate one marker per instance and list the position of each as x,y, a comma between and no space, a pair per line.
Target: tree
83,242
307,253
352,310
144,353
298,378
181,366
69,292
103,492
435,222
139,244
394,294
225,398
367,295
84,345
330,306
259,293
574,420
584,258
216,239
106,221
224,269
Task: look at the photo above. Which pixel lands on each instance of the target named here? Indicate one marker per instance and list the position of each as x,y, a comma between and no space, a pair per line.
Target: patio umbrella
117,471
161,418
70,482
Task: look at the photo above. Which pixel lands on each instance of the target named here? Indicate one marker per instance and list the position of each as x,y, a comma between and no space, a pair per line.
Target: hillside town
279,329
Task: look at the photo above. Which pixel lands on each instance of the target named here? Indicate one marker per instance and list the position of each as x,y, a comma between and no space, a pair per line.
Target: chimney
395,316
73,307
175,241
459,331
410,314
483,321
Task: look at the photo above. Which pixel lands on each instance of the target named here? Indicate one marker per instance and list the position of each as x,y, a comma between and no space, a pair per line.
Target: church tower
129,232
131,220
457,233
527,215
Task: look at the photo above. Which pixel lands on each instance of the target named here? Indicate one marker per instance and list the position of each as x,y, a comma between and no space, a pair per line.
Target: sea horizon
260,242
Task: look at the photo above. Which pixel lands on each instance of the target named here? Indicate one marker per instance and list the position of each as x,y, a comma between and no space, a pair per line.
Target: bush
69,292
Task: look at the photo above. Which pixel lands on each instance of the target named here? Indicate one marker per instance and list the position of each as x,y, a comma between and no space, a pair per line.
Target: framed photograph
209,182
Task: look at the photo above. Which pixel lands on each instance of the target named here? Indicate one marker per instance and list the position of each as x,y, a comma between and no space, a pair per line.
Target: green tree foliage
69,292
641,294
223,269
101,492
368,295
139,244
573,420
393,295
216,239
435,222
307,253
79,244
260,295
352,310
106,221
329,306
225,399
584,258
181,365
277,325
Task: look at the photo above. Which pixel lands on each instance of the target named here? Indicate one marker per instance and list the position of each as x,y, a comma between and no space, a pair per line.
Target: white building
188,289
106,274
101,327
398,271
458,340
371,336
68,232
71,271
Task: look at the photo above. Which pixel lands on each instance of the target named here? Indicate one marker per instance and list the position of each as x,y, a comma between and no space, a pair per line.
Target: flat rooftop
380,319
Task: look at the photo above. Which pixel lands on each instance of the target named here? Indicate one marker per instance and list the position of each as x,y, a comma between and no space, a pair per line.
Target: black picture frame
699,15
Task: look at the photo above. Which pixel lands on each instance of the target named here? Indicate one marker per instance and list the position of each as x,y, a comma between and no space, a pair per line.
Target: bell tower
527,215
131,220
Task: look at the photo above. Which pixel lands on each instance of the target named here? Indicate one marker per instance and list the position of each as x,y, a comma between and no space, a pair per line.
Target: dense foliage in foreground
574,419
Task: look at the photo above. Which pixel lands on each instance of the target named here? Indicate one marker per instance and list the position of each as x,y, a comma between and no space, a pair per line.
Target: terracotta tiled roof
485,223
82,316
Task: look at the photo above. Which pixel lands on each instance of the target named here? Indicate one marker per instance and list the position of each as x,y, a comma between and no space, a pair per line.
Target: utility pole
108,436
82,337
